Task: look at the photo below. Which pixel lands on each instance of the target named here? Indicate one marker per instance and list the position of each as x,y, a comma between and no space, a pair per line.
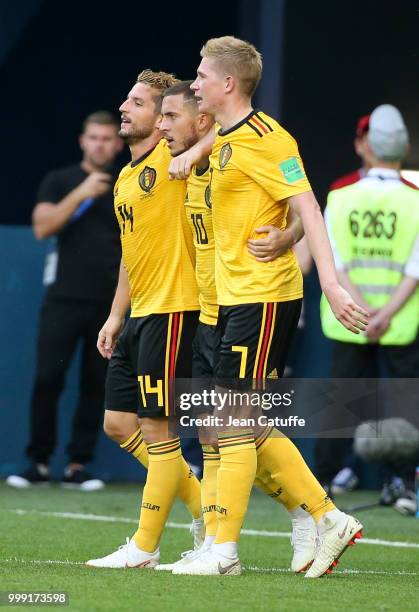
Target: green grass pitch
41,550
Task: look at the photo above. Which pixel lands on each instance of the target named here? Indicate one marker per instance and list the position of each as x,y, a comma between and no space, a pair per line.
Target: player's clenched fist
108,336
181,166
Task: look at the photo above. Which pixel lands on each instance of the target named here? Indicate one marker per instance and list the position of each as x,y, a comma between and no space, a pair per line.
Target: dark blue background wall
21,266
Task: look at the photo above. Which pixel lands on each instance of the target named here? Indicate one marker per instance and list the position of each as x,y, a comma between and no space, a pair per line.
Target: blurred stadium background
325,65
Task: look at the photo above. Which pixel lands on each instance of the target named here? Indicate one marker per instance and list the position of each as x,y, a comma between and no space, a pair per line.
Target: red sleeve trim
347,179
409,184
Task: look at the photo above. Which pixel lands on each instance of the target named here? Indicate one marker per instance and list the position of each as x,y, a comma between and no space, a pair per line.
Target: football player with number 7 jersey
303,497
257,174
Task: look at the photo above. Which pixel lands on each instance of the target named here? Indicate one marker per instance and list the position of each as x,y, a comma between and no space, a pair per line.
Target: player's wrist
329,286
117,314
293,234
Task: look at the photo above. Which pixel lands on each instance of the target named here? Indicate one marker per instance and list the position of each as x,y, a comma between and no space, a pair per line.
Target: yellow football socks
235,478
263,479
189,490
136,446
283,471
162,485
209,489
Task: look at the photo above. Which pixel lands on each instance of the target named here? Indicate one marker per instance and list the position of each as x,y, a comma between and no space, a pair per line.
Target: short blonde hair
237,56
157,80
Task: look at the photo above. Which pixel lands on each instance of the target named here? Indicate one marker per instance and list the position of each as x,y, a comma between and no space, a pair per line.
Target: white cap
387,134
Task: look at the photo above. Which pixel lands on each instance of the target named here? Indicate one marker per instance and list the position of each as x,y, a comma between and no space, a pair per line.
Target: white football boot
304,543
209,563
128,555
337,531
197,530
186,557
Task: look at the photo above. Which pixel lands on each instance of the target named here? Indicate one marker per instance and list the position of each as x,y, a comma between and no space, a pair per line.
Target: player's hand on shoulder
349,313
108,336
181,166
273,245
96,185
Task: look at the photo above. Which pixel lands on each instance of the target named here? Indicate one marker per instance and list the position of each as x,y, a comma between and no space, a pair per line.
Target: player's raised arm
351,315
181,166
109,333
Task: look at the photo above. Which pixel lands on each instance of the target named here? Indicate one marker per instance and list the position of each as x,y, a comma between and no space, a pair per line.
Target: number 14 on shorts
147,388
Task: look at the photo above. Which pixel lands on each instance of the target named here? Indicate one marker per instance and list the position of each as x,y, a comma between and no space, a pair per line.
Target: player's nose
123,106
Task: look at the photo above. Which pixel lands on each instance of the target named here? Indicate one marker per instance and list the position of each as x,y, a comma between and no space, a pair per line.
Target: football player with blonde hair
183,125
256,175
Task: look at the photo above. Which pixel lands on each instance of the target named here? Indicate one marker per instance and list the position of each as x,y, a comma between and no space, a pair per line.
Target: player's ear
201,121
229,83
81,141
358,146
159,119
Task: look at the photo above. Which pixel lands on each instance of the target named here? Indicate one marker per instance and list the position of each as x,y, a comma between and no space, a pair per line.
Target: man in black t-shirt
75,206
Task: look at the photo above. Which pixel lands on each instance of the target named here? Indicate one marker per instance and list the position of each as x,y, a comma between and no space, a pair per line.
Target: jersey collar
144,156
384,173
239,124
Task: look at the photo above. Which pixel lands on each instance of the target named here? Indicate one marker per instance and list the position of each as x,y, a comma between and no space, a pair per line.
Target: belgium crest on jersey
208,196
147,179
225,154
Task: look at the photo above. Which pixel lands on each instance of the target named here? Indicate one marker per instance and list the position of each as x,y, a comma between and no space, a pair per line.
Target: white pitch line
78,516
251,568
170,525
283,570
42,561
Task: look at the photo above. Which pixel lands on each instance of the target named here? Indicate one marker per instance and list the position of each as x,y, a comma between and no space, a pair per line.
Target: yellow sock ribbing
162,485
189,491
136,446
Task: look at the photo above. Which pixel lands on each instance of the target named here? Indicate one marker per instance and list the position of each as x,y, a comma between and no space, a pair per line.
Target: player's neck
379,163
143,146
233,112
203,163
